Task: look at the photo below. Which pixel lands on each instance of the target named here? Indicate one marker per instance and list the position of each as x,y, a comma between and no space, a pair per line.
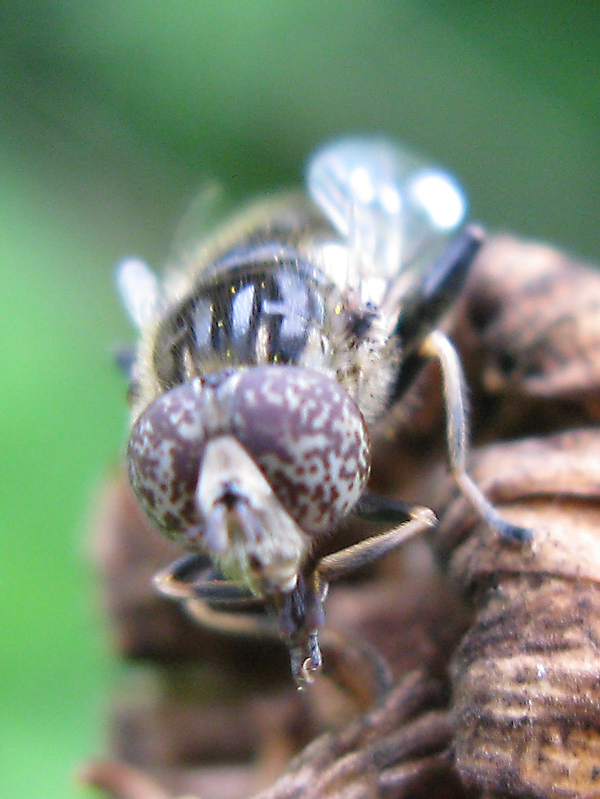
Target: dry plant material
398,748
526,677
520,715
535,315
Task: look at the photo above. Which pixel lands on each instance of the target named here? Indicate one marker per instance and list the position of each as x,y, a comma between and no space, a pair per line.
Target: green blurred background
111,114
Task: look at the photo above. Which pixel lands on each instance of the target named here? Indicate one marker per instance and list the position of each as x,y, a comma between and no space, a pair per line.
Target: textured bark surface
526,677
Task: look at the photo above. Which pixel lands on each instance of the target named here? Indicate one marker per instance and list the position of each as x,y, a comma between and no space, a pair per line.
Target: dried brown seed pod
525,680
538,326
529,335
526,677
399,748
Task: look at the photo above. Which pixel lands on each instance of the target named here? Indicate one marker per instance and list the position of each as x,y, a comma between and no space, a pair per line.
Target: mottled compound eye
308,437
164,453
300,428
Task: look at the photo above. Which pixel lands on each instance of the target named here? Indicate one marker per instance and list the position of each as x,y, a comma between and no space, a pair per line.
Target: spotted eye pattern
301,429
308,437
164,452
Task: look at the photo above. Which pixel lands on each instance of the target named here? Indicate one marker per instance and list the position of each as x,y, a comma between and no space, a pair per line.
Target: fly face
263,360
249,465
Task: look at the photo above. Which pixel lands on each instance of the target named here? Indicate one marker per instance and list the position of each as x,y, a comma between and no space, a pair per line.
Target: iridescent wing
394,212
139,290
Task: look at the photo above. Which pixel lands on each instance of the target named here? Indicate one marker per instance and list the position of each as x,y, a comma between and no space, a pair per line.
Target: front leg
227,606
304,645
218,604
373,508
295,616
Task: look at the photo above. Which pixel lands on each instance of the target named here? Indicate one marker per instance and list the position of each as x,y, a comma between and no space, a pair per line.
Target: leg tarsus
508,532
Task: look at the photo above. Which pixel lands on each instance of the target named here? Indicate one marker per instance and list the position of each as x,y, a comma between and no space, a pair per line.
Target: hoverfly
262,364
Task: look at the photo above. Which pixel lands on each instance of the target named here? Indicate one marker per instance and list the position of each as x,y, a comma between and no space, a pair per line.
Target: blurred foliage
111,113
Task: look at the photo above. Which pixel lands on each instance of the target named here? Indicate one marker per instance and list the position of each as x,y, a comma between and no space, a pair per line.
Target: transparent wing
139,290
394,212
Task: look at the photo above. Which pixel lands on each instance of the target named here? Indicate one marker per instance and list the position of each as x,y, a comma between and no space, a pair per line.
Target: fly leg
410,521
296,616
218,604
438,346
301,611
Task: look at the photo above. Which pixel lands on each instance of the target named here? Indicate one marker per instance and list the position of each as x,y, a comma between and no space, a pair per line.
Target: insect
263,362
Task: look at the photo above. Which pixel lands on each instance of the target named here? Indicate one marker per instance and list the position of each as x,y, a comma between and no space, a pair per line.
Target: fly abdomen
259,306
